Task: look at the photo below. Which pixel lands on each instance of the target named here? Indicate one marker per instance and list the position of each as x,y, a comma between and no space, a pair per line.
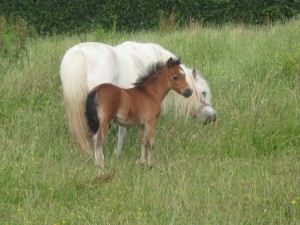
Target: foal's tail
73,77
91,112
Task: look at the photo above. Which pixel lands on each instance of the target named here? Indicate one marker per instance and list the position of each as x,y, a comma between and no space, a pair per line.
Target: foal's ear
170,62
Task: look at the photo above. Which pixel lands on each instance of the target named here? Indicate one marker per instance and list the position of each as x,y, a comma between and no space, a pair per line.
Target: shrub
290,66
13,37
132,15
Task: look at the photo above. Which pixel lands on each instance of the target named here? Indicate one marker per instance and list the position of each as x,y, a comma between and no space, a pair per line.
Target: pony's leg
121,137
143,145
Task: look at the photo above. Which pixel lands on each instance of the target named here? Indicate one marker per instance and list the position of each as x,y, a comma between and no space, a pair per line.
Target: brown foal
137,106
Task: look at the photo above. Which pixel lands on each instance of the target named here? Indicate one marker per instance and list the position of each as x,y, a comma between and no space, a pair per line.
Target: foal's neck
158,87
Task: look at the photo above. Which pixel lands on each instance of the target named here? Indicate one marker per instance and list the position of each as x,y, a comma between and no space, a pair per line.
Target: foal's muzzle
187,92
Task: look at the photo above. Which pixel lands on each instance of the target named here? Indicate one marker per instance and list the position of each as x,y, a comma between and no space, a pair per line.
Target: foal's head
176,78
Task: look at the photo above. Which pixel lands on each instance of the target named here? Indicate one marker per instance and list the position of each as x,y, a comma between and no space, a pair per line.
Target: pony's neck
158,86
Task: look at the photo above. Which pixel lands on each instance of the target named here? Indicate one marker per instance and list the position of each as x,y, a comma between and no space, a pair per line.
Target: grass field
244,169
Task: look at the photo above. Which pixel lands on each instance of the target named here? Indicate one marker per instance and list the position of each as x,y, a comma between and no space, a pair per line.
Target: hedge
132,15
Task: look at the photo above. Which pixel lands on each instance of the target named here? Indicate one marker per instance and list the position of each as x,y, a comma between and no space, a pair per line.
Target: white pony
87,65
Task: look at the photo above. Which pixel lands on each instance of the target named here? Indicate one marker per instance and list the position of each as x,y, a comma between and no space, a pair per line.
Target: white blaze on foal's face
182,71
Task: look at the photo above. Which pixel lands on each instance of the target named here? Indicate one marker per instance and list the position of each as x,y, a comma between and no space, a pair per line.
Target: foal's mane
151,70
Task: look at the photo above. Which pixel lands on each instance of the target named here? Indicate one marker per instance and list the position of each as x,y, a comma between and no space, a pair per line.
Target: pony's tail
73,78
91,112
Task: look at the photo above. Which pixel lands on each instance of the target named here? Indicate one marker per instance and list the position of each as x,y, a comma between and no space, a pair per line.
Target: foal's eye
175,77
204,93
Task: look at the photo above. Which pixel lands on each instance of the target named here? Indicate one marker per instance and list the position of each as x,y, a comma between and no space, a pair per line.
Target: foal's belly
126,121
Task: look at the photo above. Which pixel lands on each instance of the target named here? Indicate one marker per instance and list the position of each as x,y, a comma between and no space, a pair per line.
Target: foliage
132,15
53,16
13,37
290,65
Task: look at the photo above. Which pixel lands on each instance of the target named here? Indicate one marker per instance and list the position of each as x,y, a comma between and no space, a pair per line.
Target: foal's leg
150,133
121,137
143,145
99,157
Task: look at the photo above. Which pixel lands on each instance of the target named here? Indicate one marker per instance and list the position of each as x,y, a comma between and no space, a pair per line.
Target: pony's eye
175,77
204,93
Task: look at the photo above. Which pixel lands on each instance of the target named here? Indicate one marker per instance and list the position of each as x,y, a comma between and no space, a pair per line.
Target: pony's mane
151,70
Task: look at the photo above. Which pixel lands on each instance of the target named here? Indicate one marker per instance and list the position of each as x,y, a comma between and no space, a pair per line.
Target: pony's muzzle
187,92
210,119
207,115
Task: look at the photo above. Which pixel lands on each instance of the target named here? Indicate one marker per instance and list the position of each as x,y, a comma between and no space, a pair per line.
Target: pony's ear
170,62
194,72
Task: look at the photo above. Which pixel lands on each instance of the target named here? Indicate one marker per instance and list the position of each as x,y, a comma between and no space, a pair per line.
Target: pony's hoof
117,153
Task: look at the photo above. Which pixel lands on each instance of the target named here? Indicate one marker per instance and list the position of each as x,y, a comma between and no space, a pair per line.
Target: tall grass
244,169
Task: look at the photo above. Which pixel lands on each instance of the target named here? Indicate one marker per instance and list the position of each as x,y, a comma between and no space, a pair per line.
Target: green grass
244,169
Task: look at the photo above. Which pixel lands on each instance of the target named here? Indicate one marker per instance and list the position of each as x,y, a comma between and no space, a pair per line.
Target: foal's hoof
150,164
99,164
100,172
143,162
101,168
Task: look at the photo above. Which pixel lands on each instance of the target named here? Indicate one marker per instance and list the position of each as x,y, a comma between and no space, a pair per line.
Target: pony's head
177,79
203,109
